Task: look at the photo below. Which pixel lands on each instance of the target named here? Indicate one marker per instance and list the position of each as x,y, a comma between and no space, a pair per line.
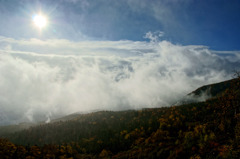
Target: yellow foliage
123,132
69,149
105,154
221,126
126,136
195,157
99,141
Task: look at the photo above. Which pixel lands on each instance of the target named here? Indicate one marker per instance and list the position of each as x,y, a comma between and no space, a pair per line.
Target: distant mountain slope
208,91
14,128
214,90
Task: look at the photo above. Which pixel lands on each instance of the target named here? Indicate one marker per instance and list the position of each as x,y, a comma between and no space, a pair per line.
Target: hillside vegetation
208,129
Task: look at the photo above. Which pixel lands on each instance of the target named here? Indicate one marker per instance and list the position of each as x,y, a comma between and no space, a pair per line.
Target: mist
41,80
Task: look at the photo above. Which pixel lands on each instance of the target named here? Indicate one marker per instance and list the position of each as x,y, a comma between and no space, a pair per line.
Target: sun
40,21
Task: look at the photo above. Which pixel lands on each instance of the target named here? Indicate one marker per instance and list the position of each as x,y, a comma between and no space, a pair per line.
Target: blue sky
213,23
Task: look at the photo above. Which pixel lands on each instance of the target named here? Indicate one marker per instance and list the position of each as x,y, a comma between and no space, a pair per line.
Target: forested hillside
207,92
208,129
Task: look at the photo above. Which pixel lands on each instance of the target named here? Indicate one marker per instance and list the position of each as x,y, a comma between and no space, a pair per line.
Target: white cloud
154,36
40,79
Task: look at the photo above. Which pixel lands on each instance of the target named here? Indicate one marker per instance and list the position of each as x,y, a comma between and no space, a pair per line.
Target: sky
214,23
111,54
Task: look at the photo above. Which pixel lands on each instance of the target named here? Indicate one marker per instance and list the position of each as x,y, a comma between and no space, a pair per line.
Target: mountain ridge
206,92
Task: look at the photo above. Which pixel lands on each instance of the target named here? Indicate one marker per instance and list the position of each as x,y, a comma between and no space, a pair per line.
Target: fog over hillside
42,79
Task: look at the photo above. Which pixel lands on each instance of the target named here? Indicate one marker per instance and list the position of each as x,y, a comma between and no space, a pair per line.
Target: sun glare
40,21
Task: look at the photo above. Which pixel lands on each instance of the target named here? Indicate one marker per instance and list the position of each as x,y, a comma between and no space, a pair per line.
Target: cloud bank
44,79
